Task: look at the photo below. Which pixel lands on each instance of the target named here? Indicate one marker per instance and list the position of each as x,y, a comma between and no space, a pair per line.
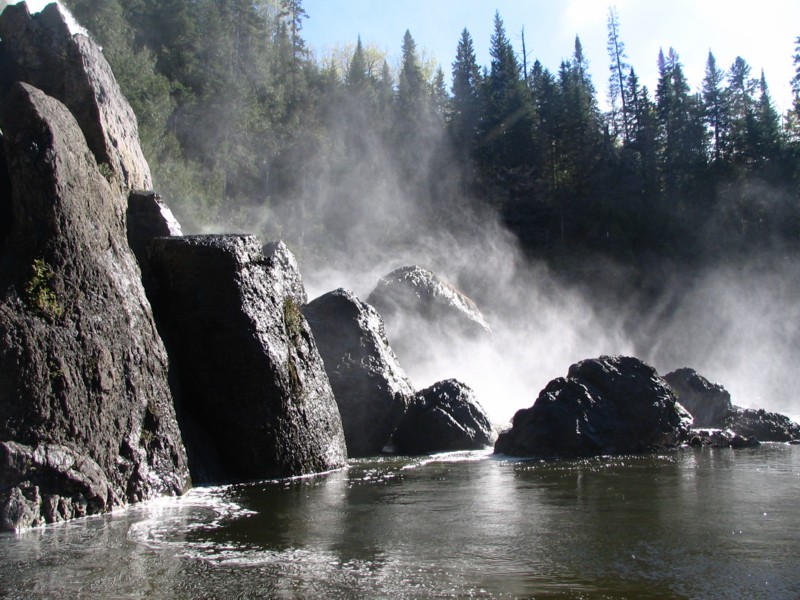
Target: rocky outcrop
720,438
40,50
444,417
764,425
709,403
607,405
86,419
423,314
255,401
371,389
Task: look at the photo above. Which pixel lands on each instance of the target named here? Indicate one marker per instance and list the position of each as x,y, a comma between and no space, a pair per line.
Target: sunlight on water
690,524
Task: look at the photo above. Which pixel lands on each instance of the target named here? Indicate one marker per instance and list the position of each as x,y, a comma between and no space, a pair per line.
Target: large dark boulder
607,405
764,425
423,313
371,389
39,50
255,401
443,417
709,403
86,414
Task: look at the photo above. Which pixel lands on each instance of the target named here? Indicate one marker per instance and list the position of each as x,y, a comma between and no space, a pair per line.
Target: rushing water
694,524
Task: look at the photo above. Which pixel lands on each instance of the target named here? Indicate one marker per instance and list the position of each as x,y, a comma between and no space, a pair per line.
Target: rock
284,272
253,390
607,405
148,217
422,313
40,50
83,372
720,438
6,206
444,417
709,403
765,426
371,389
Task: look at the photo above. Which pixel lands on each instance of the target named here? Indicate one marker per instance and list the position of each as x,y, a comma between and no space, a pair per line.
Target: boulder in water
709,403
371,389
86,419
255,401
606,405
764,425
443,417
424,315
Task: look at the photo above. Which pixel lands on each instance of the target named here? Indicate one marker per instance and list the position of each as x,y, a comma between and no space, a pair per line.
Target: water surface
697,523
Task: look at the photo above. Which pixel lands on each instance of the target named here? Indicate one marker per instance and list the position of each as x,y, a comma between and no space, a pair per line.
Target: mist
736,324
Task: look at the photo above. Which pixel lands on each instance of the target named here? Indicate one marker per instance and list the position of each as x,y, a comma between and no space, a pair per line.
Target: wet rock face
608,405
255,401
444,417
40,50
709,403
148,217
421,310
763,425
371,389
83,372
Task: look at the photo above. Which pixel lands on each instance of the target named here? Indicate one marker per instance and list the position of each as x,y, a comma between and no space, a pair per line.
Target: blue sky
763,32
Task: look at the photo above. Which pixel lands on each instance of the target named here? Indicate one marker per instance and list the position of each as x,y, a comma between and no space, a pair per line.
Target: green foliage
106,171
292,319
39,292
238,121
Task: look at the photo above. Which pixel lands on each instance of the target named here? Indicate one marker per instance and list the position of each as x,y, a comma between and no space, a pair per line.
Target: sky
764,33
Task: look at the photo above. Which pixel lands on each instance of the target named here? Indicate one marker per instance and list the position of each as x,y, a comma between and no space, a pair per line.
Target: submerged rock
371,389
86,420
607,405
255,401
709,403
444,417
39,50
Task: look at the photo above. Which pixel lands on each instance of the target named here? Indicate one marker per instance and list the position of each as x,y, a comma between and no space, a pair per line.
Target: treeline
241,124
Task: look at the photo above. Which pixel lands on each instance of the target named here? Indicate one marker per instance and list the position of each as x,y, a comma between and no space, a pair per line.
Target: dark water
692,524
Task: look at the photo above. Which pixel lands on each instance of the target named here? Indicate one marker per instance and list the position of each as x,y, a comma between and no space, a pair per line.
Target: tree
715,108
508,119
410,84
681,131
617,88
741,89
768,134
466,101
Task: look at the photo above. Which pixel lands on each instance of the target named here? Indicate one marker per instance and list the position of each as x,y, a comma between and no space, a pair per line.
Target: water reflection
697,523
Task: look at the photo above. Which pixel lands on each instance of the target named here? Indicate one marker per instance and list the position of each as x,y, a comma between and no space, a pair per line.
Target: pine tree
682,136
715,108
466,101
617,88
768,137
410,85
741,89
508,119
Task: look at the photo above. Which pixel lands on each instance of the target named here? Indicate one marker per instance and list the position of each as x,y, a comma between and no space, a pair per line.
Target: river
696,523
